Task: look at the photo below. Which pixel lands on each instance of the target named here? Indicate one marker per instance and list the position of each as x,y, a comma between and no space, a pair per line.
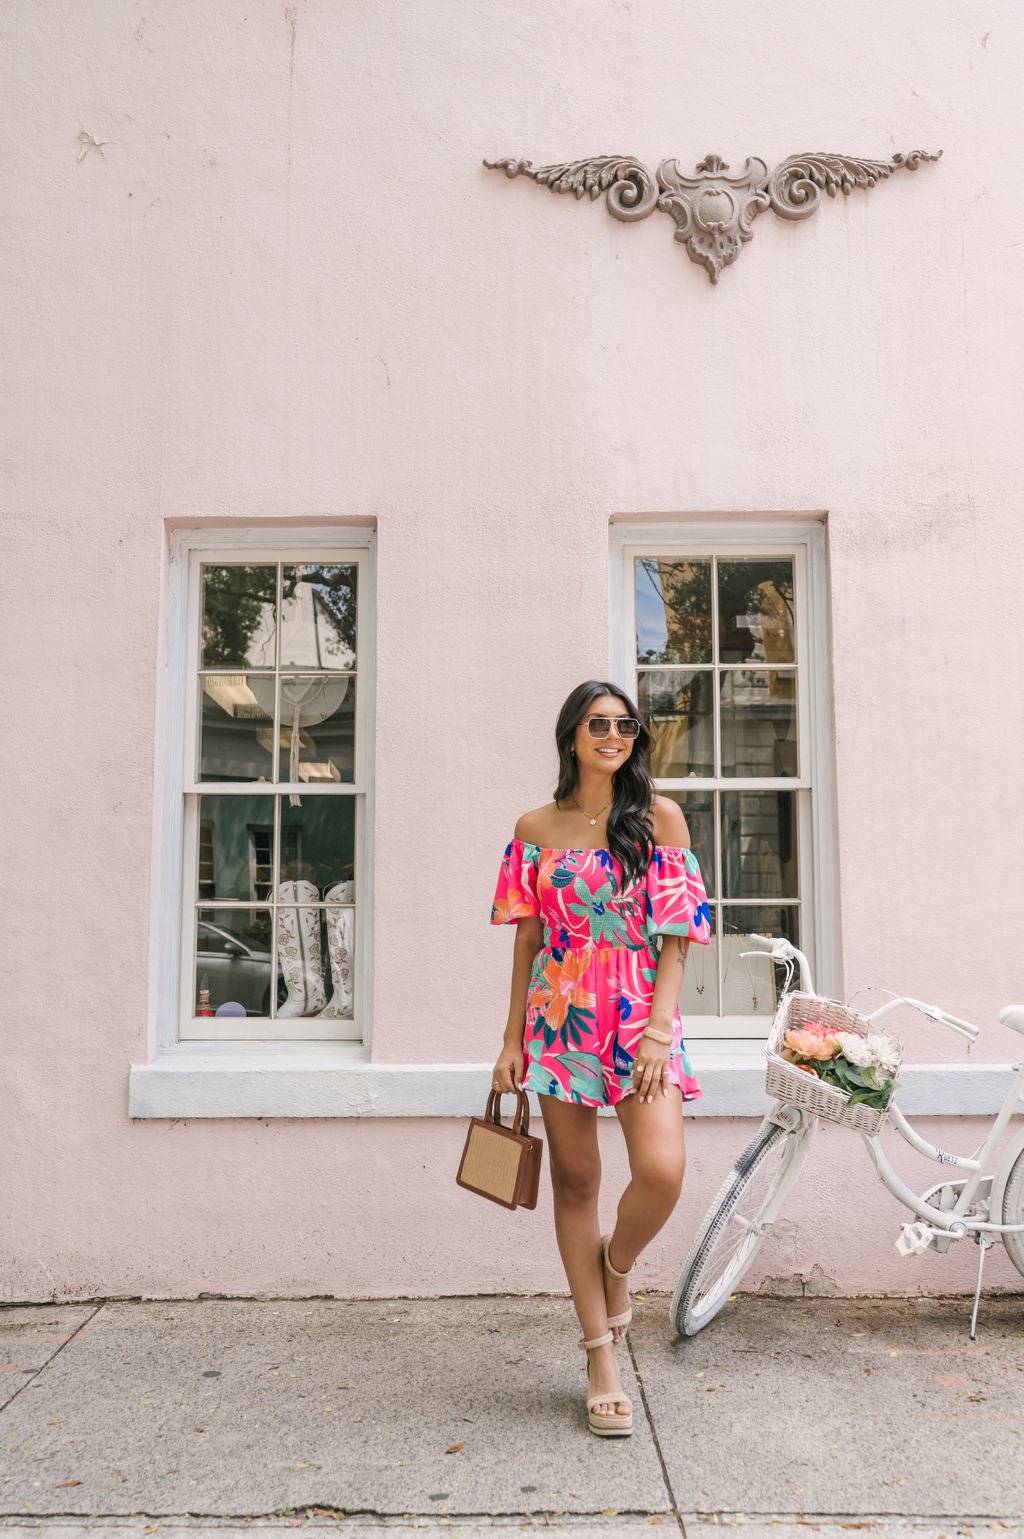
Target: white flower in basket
873,1051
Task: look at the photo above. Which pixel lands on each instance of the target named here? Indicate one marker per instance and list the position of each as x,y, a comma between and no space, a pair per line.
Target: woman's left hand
650,1068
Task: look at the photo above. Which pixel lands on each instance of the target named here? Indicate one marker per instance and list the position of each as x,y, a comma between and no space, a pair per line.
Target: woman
590,881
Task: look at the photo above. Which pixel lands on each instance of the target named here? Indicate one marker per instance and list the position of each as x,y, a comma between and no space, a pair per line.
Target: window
724,653
273,796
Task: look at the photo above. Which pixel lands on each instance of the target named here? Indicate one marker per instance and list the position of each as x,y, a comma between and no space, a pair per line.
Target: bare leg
657,1161
575,1164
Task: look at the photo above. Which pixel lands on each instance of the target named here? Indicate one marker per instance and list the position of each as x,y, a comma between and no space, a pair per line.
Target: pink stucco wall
283,288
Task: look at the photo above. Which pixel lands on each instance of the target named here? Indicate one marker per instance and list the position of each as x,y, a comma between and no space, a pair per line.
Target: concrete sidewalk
466,1416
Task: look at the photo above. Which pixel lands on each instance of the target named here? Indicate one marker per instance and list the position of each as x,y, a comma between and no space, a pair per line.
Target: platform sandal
624,1318
606,1426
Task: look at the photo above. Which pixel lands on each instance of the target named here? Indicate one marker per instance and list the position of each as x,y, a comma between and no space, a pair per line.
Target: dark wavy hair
630,837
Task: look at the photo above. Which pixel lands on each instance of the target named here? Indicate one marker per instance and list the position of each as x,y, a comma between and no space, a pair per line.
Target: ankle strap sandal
618,1424
627,1315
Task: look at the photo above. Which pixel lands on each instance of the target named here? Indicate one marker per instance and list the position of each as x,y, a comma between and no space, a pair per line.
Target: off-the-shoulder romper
592,982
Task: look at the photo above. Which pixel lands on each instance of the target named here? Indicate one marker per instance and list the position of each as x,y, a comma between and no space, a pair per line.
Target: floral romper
592,982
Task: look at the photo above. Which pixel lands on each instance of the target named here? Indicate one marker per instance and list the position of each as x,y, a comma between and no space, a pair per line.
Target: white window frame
179,793
804,541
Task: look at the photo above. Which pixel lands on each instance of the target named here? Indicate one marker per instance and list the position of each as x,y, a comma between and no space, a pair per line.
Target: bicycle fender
1001,1176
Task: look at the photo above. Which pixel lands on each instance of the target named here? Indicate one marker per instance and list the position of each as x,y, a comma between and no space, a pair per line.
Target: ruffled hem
542,1082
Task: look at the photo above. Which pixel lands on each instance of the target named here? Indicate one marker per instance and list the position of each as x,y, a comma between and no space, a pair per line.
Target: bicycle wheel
1013,1212
738,1220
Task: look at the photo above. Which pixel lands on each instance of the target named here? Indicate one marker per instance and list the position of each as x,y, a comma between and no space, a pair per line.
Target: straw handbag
499,1162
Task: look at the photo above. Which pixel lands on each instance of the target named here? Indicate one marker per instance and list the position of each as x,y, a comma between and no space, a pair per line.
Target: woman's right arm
508,1070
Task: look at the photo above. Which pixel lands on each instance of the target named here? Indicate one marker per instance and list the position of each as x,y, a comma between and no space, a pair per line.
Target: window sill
315,1079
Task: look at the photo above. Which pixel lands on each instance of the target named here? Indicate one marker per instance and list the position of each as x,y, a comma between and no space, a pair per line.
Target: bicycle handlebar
781,950
933,1012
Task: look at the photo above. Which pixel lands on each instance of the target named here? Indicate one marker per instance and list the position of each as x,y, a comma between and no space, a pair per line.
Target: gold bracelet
659,1036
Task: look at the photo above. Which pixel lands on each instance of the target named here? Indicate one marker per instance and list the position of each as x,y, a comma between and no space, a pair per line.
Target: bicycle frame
954,1221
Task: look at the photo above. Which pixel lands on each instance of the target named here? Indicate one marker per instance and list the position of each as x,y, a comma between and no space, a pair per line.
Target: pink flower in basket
812,1041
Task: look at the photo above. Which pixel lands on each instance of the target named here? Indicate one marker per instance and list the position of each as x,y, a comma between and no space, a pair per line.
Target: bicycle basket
785,1082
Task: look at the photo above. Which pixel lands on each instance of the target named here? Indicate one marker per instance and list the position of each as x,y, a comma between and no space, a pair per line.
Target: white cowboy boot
340,936
299,950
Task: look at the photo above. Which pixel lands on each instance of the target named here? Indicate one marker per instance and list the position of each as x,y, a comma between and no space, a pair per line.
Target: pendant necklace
586,814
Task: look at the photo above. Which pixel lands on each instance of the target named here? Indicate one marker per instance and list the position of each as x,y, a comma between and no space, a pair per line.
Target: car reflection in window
237,969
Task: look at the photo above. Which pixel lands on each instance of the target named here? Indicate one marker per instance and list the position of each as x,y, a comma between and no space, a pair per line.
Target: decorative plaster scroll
714,208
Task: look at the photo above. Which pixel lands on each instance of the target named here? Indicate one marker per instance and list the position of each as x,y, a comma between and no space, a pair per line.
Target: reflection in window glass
755,611
318,617
758,722
233,962
673,611
318,719
236,726
678,706
238,616
759,844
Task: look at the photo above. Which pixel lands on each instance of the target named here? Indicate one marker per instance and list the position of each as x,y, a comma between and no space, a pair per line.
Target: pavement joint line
654,1436
738,1517
512,1514
1001,1294
31,1379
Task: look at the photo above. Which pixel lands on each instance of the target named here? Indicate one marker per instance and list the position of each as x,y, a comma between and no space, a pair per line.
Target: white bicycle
984,1204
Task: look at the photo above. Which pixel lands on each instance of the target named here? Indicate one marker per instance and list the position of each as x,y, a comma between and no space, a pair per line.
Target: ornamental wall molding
714,209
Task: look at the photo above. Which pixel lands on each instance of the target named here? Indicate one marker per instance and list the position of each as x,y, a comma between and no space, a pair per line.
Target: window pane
699,812
318,616
235,847
755,611
759,844
678,707
673,611
752,985
318,728
232,974
238,616
699,994
236,726
318,848
759,722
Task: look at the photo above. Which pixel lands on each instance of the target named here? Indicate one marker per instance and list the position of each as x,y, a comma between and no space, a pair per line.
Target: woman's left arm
669,828
667,986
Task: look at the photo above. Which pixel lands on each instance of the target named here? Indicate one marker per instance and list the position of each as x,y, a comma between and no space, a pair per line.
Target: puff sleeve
515,896
677,903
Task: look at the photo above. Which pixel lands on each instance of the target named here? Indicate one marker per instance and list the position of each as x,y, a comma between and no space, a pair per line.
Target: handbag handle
521,1120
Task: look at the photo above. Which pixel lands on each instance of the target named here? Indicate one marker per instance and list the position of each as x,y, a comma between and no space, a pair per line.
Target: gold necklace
586,814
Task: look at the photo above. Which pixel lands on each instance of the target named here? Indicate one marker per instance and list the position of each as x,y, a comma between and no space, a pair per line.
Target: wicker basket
786,1082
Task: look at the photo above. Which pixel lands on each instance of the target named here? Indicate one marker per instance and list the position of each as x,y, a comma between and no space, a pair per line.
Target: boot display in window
340,935
299,951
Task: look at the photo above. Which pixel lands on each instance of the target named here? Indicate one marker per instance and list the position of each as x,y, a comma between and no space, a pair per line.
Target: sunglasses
600,726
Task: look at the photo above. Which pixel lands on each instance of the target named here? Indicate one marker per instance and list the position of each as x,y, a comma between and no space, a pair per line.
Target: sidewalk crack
654,1436
54,1354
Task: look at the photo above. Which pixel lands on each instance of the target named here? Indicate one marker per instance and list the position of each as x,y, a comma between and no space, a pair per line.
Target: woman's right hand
508,1070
